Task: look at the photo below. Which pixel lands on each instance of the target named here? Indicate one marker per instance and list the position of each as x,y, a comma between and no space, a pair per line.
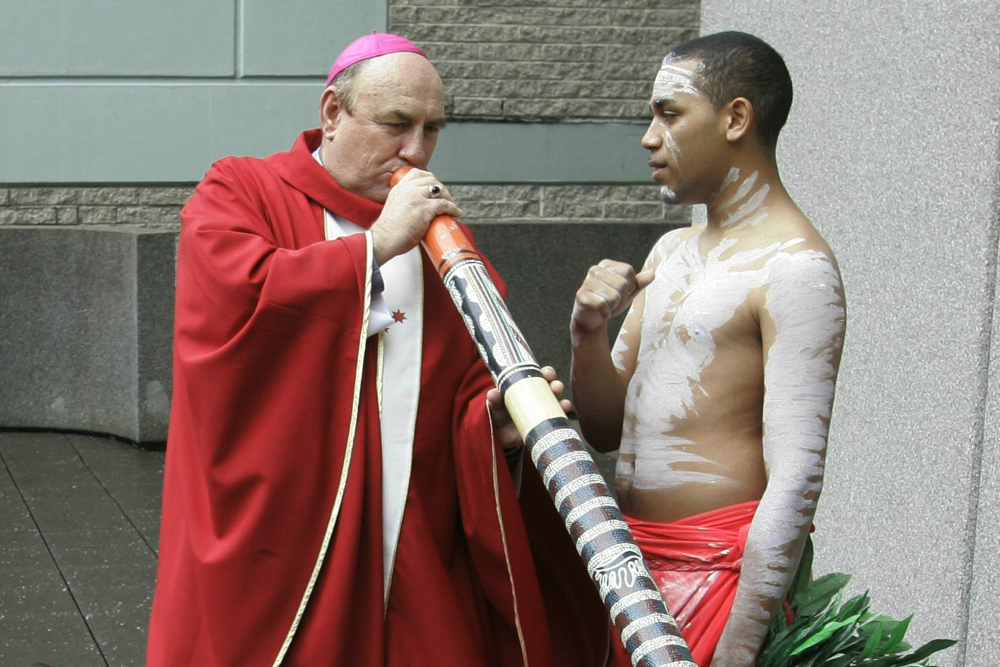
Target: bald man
332,493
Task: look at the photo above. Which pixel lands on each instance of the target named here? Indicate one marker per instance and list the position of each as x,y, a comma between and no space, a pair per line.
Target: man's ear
329,112
739,118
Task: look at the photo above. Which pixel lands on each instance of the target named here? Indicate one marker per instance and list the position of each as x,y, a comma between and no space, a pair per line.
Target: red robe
267,330
696,564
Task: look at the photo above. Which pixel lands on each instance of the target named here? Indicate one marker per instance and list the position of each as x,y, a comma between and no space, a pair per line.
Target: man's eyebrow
399,114
660,102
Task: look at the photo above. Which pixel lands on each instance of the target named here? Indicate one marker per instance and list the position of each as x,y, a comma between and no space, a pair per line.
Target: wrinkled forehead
677,77
398,76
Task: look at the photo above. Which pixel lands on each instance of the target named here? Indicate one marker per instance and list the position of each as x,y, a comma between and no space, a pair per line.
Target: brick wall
159,206
546,59
147,205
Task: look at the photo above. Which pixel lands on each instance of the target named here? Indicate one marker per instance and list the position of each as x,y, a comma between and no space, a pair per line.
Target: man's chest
700,303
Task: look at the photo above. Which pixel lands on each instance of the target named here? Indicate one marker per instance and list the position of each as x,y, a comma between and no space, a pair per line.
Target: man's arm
802,331
598,384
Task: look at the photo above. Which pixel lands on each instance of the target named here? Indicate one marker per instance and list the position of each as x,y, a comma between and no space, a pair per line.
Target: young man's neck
742,198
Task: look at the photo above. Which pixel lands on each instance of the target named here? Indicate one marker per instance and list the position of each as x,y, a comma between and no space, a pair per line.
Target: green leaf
929,648
820,593
882,622
777,649
855,607
895,638
884,661
872,643
825,633
801,580
840,659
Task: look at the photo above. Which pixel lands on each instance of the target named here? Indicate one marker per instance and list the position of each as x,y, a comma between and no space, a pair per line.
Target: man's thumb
643,278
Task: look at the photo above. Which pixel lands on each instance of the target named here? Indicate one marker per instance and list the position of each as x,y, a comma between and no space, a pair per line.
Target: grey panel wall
891,149
73,38
121,91
302,37
97,91
103,132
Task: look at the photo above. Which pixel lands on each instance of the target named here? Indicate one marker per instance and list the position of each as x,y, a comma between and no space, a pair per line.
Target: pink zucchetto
371,46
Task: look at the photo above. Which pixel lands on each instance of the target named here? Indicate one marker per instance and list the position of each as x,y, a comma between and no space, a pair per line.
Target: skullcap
371,46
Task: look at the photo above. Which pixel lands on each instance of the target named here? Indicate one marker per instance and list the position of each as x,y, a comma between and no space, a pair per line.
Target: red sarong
696,564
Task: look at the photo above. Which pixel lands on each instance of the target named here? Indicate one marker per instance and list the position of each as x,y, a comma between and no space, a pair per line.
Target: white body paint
808,312
674,79
670,81
685,304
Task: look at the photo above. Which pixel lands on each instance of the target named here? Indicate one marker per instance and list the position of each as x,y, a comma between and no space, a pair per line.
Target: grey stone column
891,149
85,330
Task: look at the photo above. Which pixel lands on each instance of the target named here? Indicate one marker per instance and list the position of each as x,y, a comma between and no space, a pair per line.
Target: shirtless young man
719,388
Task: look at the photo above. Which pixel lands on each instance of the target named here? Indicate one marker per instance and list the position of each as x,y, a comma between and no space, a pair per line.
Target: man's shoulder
237,166
803,263
669,242
790,233
243,175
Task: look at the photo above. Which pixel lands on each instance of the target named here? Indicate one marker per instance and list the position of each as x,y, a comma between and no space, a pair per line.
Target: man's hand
608,290
503,425
412,204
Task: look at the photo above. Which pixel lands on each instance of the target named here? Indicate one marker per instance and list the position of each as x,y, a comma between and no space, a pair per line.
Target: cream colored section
633,598
644,622
334,227
404,293
647,647
530,402
400,355
348,453
575,485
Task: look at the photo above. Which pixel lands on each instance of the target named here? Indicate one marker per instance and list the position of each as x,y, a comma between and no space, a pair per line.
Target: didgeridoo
581,495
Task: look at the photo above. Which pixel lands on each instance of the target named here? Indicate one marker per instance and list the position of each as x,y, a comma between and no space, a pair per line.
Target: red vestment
267,328
696,564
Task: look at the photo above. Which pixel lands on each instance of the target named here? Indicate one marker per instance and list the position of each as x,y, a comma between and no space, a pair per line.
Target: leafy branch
827,632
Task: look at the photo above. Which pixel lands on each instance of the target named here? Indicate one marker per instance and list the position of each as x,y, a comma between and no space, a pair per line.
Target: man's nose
414,148
651,140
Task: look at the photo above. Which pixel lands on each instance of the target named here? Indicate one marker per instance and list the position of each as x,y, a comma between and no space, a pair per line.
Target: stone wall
158,206
147,205
910,502
546,59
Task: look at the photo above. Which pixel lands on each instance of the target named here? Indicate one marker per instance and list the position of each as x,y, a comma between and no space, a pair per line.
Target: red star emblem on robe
398,315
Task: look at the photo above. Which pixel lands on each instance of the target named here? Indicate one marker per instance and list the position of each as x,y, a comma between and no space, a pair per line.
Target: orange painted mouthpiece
444,240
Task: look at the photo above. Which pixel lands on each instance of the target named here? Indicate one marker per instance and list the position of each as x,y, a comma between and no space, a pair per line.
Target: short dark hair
736,64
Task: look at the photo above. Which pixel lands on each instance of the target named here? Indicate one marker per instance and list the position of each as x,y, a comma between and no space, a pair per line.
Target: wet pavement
79,529
79,533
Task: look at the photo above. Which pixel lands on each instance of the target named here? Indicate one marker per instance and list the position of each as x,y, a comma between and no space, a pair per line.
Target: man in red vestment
333,492
719,389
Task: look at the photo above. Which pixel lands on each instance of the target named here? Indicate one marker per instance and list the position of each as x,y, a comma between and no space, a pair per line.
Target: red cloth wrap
696,564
